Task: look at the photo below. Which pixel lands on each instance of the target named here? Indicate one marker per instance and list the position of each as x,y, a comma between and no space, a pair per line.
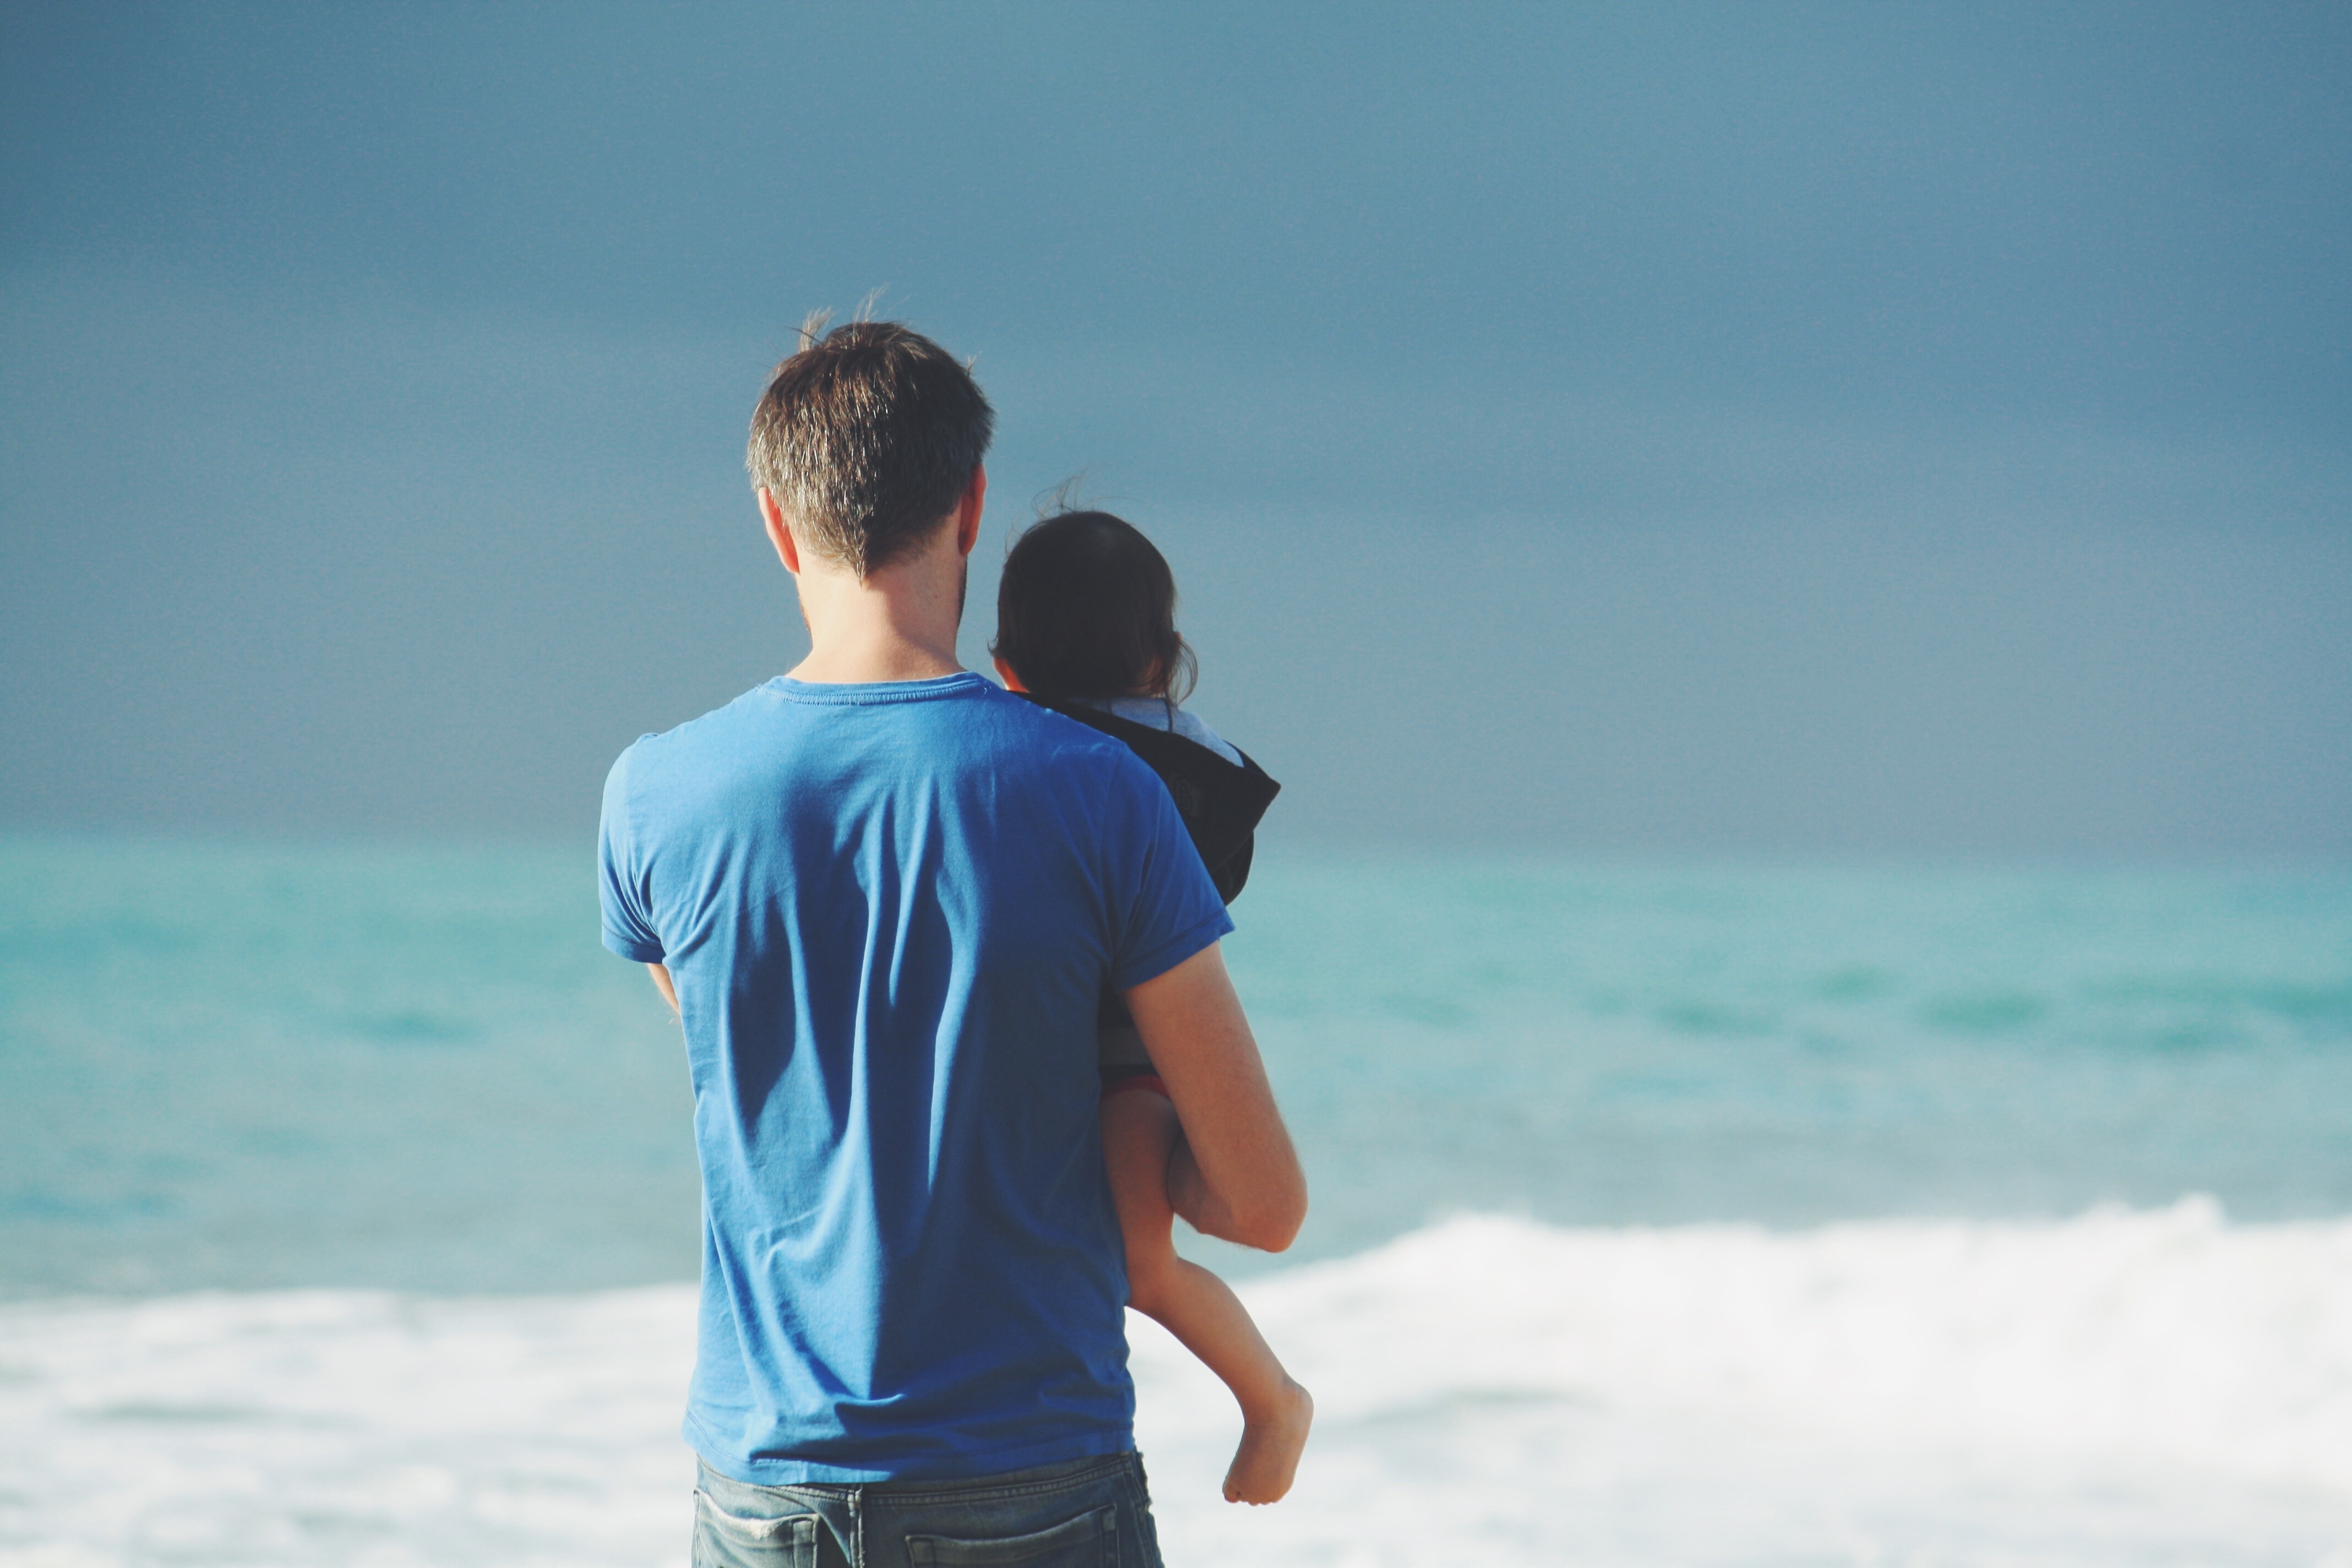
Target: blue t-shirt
890,911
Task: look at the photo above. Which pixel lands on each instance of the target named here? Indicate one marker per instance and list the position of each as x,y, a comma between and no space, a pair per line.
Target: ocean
1662,1215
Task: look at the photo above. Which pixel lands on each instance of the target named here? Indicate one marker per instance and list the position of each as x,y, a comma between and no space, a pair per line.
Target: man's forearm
1240,1152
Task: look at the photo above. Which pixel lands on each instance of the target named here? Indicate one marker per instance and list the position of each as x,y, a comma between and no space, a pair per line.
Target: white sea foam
2156,1387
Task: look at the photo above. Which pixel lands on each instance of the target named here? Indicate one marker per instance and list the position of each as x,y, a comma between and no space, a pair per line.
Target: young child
1085,624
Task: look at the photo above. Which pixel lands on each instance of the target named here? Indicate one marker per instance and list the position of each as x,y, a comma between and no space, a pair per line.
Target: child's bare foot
1271,1440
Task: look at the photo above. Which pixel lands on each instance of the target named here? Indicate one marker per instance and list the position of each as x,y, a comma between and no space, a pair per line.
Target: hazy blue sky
1876,428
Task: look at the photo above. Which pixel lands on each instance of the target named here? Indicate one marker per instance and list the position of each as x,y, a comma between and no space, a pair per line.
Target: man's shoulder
1059,740
991,726
716,730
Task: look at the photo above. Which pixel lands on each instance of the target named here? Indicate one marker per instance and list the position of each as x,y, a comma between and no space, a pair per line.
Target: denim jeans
1093,1512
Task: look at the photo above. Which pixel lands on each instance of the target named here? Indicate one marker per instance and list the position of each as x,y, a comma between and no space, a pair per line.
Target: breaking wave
2127,1386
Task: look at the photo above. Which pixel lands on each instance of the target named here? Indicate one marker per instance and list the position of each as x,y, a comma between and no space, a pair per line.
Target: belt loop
857,1524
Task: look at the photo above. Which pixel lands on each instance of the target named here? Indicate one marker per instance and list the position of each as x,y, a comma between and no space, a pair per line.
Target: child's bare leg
1140,1133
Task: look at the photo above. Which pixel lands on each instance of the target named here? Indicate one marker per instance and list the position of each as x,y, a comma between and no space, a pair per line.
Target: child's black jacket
1221,804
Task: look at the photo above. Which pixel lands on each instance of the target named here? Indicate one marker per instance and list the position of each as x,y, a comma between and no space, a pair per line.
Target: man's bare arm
662,984
1193,1025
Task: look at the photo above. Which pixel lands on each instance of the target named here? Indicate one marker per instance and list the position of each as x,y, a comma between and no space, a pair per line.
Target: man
885,897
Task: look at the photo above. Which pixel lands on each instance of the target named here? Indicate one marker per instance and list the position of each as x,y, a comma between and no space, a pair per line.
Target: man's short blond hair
866,438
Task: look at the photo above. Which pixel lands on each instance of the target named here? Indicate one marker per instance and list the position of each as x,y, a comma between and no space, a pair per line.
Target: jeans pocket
724,1540
1089,1541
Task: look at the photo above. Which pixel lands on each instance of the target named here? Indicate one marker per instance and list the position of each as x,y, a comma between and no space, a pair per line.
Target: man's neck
845,661
899,623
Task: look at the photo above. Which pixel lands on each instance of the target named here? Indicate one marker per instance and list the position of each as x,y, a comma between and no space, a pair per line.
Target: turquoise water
248,1066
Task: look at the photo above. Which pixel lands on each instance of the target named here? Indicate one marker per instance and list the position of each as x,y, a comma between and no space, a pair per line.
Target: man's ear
975,495
788,549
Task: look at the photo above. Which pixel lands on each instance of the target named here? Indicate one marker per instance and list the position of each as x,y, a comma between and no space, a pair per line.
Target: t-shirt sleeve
620,878
1164,909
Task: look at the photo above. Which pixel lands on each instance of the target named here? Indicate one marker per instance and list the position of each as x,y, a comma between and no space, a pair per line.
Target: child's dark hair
1086,608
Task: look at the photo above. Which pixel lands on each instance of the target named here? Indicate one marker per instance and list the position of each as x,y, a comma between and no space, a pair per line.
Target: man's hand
662,984
1190,1194
1250,1187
